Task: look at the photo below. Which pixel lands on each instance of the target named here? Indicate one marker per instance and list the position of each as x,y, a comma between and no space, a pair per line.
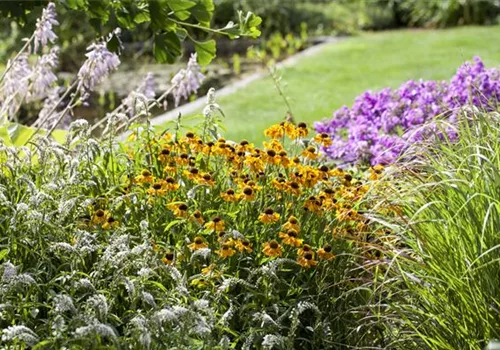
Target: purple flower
100,62
187,81
43,32
43,76
14,86
381,125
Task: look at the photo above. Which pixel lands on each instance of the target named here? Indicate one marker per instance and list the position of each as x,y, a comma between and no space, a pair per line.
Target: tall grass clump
439,289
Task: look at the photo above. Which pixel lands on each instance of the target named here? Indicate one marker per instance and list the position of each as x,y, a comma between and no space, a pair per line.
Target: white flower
21,333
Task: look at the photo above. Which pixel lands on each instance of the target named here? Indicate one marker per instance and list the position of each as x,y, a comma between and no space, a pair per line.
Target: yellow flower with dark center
145,177
279,184
164,155
229,196
243,245
205,179
272,248
291,238
226,251
346,214
312,204
198,217
198,243
254,162
306,248
310,153
275,131
270,157
100,216
302,129
247,194
158,188
192,173
292,224
216,224
110,223
274,145
294,187
171,167
182,159
221,237
179,209
323,139
168,259
269,216
208,148
376,172
244,146
325,253
170,184
307,260
284,160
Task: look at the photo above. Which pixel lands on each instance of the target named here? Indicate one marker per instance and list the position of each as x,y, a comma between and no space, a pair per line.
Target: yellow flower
325,253
229,196
205,179
198,244
302,130
216,224
376,172
110,223
179,209
170,184
310,153
271,157
243,245
274,145
198,217
272,248
168,259
293,187
306,248
226,251
145,177
158,188
307,260
100,216
171,167
279,184
269,216
290,238
323,139
312,204
164,155
292,224
244,146
275,131
192,173
345,214
248,194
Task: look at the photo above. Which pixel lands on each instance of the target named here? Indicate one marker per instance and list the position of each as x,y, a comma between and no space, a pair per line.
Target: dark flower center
269,211
273,244
248,191
308,256
327,248
216,219
183,207
169,256
146,173
99,213
198,240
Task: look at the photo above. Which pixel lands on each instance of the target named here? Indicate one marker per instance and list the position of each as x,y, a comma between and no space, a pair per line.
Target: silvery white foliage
100,62
305,305
113,122
187,81
3,199
202,327
22,208
31,185
20,333
85,284
227,316
99,304
224,343
147,88
129,286
211,106
148,299
66,206
96,329
145,272
63,303
43,76
44,32
201,305
203,253
86,242
9,271
141,249
144,225
274,341
264,319
233,281
140,323
40,198
63,246
58,326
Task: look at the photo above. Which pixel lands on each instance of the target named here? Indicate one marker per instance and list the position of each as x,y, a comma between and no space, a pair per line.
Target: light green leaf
206,51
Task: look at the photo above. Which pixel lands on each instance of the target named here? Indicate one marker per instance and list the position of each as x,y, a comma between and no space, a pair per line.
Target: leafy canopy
170,21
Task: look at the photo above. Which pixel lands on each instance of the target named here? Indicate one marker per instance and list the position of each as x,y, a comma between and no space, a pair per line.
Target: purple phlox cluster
147,88
381,125
99,63
43,76
43,32
187,81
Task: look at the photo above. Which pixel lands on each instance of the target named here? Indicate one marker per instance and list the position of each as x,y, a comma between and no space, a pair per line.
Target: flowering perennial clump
381,125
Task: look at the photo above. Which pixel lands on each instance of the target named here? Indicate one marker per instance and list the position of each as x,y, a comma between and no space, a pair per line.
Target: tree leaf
180,7
166,47
206,51
203,11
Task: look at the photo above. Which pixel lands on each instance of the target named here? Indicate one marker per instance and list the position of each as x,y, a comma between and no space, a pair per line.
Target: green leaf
206,51
159,16
99,10
3,253
180,7
4,136
203,12
142,16
20,134
166,47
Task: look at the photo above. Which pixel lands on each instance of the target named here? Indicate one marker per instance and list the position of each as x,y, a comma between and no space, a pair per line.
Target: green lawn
319,84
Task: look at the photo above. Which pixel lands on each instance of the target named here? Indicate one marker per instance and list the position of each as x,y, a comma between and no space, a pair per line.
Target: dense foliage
381,125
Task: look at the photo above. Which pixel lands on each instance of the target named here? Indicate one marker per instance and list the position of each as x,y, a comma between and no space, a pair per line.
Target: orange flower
158,188
198,244
168,259
302,130
325,253
275,131
164,155
100,216
323,139
292,224
272,248
290,238
269,216
310,153
205,179
216,224
293,187
307,260
306,248
376,172
229,196
170,184
248,194
198,217
110,223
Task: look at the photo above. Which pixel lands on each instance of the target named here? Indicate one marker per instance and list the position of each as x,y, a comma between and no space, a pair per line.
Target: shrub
381,125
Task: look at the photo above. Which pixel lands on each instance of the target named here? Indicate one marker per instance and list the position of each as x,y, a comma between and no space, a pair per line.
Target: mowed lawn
319,84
